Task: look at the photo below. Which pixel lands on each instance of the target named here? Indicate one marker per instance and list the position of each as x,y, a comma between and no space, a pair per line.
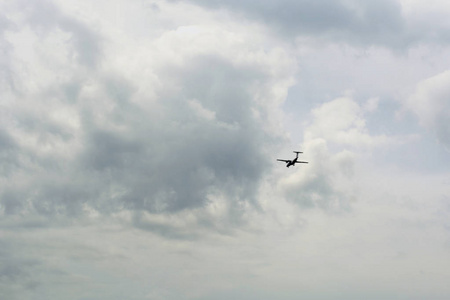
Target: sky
139,144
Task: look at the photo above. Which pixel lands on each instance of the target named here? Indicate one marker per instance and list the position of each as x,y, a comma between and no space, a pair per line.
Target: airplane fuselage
294,161
291,163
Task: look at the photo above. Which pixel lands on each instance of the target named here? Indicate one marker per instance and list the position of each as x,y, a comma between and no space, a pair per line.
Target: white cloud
336,140
324,182
427,21
342,121
316,185
431,103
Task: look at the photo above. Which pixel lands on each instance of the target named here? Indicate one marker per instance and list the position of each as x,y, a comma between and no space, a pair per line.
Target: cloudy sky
138,147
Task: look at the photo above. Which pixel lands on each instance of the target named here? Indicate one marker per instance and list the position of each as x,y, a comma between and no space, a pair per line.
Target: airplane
294,161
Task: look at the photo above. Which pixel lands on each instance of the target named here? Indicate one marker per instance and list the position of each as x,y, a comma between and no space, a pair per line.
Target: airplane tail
297,152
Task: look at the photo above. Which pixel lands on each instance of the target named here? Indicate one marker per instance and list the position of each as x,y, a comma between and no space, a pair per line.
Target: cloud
16,271
342,121
138,142
431,105
335,138
172,162
393,24
44,17
427,22
5,51
358,22
137,130
324,183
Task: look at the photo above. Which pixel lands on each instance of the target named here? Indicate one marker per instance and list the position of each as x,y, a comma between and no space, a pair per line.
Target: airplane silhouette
294,161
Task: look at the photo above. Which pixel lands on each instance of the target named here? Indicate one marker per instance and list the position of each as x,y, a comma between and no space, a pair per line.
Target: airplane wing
285,160
301,162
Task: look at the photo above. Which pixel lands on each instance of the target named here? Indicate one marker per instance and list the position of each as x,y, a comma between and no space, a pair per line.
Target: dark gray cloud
44,16
359,22
93,142
16,272
201,140
171,159
7,153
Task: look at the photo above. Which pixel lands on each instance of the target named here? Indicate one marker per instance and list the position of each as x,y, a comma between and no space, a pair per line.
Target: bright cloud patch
431,103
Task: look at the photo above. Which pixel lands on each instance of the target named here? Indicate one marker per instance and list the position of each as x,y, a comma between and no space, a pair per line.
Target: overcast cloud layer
138,147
